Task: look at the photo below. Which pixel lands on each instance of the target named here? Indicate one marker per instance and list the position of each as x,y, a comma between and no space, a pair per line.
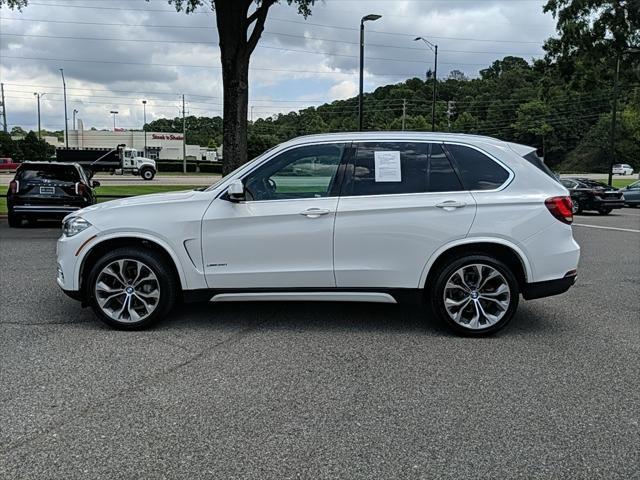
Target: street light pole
434,49
66,117
74,118
614,112
114,113
144,114
366,18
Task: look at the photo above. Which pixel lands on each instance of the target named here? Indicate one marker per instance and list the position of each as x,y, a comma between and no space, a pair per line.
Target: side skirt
413,296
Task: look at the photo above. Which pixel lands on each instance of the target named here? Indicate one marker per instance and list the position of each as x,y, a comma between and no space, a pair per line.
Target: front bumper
69,254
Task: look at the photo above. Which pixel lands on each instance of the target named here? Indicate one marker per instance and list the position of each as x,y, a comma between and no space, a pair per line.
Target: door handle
315,212
451,205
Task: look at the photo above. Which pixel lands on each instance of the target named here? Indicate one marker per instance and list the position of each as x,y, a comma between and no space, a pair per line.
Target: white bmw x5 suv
465,224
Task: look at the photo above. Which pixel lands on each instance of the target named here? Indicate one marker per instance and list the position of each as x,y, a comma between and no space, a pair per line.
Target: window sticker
387,166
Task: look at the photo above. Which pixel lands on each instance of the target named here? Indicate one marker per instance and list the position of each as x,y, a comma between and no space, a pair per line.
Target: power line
316,52
268,32
405,75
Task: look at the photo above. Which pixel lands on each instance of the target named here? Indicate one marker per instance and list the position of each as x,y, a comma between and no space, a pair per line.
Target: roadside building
159,145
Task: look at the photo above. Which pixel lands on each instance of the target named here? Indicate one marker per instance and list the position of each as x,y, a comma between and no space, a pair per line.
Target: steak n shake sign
166,136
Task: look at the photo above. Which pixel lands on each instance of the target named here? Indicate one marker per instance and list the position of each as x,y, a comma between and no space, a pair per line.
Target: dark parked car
588,194
48,190
632,194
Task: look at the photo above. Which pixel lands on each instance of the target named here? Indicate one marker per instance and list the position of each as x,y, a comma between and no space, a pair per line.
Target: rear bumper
44,209
548,288
607,203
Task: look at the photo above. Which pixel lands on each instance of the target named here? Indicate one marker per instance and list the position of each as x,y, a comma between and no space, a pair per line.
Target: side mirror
235,191
95,183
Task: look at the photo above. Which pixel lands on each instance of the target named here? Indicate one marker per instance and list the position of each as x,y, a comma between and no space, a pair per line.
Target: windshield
224,179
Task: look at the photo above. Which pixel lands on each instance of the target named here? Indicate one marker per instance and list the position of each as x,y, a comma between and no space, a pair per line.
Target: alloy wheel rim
476,296
575,206
127,290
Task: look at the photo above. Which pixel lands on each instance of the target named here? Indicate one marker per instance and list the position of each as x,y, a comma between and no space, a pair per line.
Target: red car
7,163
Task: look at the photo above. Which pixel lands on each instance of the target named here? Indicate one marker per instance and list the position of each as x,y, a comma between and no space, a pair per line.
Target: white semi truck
118,161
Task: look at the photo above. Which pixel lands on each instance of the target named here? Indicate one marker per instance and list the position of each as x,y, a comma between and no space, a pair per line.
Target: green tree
34,149
531,126
8,146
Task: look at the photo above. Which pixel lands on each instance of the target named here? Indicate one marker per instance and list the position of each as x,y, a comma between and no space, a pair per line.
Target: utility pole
144,115
66,117
39,96
404,112
614,111
184,138
4,109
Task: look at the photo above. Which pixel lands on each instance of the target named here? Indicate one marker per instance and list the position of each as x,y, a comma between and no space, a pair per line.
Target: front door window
304,172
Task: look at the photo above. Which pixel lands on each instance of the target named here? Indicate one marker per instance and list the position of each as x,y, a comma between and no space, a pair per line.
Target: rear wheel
577,208
131,288
15,221
604,211
475,295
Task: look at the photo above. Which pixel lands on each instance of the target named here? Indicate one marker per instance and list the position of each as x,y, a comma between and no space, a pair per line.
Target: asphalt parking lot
323,390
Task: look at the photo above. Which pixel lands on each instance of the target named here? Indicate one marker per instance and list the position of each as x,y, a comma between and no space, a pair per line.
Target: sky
116,53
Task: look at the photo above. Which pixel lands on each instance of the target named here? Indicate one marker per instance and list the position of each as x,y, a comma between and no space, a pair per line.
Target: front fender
98,240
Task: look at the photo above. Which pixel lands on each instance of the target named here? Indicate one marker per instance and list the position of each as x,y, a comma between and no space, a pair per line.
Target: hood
150,199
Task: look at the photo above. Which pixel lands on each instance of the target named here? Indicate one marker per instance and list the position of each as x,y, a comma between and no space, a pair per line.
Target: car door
401,201
281,236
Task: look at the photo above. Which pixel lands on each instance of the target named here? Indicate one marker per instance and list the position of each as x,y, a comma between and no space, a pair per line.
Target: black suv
588,194
48,190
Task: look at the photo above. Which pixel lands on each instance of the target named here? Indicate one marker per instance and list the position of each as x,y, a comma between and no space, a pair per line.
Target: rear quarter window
478,171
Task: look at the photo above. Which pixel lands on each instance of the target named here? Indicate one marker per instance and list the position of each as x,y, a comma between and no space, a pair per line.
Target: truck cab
131,160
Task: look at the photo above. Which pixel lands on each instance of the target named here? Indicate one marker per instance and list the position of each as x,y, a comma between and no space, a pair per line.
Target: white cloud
326,69
343,90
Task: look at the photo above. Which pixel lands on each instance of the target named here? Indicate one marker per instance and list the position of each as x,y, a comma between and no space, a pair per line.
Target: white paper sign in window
388,166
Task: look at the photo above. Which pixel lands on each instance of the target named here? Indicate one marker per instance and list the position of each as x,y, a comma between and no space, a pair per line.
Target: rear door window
478,171
45,173
388,168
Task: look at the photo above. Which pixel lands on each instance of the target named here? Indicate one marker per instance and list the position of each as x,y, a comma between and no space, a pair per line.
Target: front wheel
475,295
147,173
131,288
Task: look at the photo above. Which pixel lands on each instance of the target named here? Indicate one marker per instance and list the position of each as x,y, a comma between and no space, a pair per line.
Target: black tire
14,221
168,285
147,173
604,211
577,207
441,277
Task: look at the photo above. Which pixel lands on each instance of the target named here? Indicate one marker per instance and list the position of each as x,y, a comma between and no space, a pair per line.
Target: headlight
74,225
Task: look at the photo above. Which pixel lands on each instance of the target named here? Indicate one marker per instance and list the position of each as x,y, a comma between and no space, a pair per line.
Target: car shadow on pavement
320,316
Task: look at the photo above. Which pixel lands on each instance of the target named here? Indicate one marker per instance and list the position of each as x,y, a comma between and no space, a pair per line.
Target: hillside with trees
532,103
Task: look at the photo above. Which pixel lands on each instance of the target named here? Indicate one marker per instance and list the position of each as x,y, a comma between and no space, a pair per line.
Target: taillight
81,188
561,208
14,186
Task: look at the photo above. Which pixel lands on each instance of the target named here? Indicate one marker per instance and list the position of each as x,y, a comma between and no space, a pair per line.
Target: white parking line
606,228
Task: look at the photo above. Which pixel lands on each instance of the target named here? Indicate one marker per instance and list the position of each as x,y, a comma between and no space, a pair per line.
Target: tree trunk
231,17
235,80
